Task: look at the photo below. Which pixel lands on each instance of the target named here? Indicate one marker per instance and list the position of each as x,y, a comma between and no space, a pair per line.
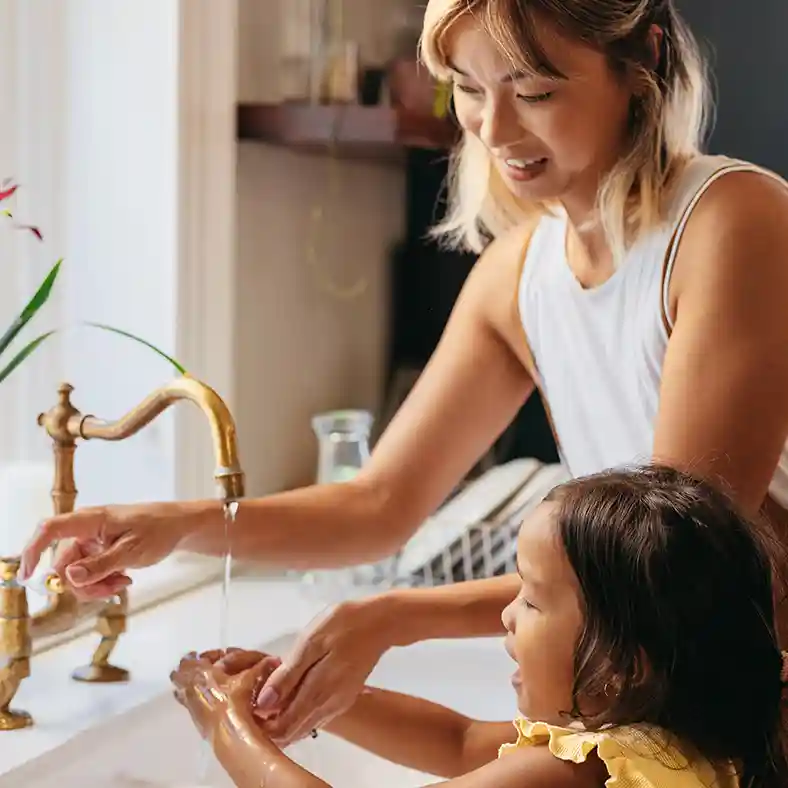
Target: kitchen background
280,276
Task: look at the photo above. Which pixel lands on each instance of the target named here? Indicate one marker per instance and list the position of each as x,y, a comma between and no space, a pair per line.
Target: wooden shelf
344,130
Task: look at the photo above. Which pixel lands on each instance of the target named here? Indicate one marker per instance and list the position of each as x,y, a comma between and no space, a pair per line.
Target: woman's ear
656,37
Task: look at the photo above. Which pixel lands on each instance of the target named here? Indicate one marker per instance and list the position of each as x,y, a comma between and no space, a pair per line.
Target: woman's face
549,138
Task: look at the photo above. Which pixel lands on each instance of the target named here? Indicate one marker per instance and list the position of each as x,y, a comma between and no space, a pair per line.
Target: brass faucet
15,641
65,425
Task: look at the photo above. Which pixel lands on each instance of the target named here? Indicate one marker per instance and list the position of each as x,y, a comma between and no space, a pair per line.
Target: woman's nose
499,126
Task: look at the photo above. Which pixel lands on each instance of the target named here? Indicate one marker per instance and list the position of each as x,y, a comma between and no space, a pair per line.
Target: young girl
645,649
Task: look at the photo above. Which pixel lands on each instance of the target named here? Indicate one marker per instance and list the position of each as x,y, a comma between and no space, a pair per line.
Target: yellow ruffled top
636,757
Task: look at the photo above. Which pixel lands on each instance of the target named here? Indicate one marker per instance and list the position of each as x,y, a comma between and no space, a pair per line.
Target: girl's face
551,139
544,622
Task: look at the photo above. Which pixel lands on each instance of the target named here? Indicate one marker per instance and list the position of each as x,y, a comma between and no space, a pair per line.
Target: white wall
121,244
30,152
300,350
90,96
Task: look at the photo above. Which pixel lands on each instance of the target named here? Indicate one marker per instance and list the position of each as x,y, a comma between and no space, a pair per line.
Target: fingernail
267,699
77,574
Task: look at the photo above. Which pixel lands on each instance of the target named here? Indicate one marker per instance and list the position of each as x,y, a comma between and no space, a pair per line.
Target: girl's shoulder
637,756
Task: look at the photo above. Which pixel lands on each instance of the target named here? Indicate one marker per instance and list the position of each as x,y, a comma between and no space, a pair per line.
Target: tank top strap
699,176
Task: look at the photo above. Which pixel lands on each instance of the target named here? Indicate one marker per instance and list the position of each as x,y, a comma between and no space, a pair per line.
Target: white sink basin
155,745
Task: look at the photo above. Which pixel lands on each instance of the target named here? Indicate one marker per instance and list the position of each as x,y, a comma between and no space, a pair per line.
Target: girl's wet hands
217,684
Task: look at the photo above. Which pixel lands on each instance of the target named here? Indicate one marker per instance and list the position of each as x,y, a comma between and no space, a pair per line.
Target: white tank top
598,352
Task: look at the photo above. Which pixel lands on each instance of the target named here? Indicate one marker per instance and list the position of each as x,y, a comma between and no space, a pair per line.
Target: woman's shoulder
720,186
637,756
496,274
735,225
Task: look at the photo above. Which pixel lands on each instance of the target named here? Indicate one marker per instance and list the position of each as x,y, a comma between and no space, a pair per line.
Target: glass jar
343,450
343,444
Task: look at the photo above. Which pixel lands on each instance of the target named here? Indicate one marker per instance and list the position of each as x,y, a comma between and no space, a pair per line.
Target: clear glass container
343,450
343,444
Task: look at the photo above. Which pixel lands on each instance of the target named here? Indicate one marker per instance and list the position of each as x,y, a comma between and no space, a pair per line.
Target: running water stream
230,513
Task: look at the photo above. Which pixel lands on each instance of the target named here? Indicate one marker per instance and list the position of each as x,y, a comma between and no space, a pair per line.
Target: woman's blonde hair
667,118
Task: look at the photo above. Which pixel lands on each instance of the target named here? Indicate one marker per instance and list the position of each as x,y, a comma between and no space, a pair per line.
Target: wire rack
472,536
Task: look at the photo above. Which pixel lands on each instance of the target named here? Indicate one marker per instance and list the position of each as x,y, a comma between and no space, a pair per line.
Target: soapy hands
217,685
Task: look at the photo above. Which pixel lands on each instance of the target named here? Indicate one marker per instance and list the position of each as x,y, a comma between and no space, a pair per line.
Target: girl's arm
252,760
419,734
414,733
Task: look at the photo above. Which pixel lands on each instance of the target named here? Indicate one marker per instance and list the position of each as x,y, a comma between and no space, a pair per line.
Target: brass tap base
11,720
101,674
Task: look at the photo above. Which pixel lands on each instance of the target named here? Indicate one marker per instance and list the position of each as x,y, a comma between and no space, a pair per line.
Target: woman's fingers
105,589
289,674
83,524
316,701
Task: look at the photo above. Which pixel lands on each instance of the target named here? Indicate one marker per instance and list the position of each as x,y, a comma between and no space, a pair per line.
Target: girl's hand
325,673
209,693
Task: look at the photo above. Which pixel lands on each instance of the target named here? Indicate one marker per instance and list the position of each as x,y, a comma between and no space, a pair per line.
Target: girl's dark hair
679,615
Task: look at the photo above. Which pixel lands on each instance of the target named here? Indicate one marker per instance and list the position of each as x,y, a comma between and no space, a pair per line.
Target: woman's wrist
193,518
389,625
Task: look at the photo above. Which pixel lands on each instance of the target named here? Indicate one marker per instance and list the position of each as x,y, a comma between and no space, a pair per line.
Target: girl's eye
527,604
534,98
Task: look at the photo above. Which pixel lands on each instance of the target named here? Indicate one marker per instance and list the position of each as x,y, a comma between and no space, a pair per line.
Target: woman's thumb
94,568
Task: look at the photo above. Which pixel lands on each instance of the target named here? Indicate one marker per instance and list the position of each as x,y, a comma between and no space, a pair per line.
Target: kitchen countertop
261,609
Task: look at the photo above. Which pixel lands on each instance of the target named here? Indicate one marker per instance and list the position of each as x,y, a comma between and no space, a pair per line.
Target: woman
642,286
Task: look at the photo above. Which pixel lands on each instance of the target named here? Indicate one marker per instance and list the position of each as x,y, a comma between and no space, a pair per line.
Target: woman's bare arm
468,394
724,397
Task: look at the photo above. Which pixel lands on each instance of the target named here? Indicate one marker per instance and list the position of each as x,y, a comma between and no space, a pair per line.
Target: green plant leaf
23,354
38,300
179,367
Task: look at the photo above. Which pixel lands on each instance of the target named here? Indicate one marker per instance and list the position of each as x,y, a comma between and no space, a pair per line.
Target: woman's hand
210,693
325,673
103,542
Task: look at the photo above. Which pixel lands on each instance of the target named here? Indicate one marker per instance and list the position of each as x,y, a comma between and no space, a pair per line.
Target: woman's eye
467,89
534,98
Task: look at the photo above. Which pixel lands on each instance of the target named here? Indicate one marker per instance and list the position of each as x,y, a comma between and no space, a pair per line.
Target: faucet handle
9,568
15,643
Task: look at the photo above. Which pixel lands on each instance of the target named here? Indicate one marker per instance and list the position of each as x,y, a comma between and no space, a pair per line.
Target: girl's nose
507,617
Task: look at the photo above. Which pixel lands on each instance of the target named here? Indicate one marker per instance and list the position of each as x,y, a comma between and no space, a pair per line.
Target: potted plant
7,191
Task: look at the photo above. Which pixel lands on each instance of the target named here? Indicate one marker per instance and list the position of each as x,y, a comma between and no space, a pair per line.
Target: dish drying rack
472,536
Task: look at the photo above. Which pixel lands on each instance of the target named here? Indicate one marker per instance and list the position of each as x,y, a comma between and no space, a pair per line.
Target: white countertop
260,610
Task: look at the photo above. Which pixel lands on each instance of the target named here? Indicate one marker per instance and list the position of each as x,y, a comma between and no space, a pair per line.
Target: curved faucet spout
65,425
228,473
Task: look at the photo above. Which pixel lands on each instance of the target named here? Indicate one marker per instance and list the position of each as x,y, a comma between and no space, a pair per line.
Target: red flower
6,193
